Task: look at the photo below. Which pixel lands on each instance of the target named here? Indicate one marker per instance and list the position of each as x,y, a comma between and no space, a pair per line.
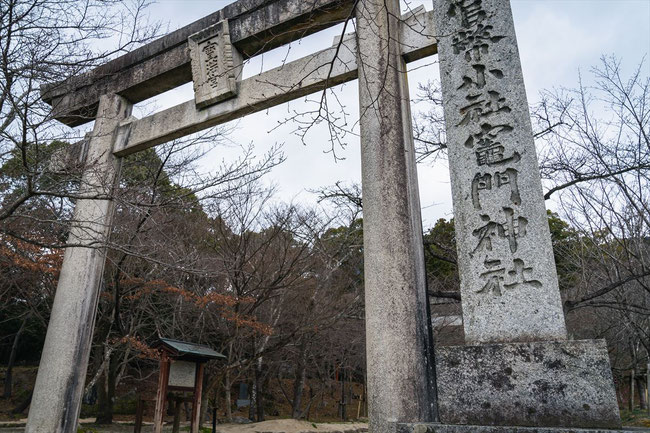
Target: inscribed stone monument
518,369
509,286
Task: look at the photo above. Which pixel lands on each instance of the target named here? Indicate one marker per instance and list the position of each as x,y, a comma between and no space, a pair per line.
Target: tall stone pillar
61,375
518,369
509,285
400,372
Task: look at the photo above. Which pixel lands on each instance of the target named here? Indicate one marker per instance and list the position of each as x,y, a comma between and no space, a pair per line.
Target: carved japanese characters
216,65
508,282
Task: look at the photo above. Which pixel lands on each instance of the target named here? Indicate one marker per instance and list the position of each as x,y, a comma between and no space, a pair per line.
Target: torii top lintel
256,26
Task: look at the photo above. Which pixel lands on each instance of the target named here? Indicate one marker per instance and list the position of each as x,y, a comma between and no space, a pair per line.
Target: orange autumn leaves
222,304
145,351
29,257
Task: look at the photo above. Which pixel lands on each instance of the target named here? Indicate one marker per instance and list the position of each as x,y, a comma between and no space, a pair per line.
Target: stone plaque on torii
518,367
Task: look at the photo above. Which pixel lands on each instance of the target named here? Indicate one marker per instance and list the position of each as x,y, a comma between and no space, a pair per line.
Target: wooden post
196,406
647,388
214,418
138,416
161,396
359,405
177,414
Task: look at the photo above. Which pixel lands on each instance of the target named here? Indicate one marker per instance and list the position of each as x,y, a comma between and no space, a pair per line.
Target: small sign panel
216,65
182,374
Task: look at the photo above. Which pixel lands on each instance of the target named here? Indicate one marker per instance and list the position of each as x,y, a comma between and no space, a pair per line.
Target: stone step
448,428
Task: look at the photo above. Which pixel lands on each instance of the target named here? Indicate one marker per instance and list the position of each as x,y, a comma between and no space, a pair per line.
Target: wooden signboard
181,369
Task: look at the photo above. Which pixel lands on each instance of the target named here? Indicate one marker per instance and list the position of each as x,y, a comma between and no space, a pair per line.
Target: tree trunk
205,396
226,388
171,408
23,404
299,382
640,385
631,402
106,392
188,410
253,401
342,405
311,399
102,398
647,387
259,389
12,359
176,426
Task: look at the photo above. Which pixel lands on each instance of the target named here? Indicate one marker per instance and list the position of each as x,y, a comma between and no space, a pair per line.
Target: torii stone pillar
400,373
63,361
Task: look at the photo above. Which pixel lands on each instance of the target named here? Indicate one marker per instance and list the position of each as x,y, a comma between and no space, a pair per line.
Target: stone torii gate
519,369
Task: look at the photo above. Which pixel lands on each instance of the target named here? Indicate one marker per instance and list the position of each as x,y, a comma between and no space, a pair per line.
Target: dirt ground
293,426
272,426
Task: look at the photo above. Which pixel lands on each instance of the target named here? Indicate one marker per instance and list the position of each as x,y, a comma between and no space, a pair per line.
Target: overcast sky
557,38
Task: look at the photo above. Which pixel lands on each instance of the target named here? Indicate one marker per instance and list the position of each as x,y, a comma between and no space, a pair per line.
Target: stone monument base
446,428
564,384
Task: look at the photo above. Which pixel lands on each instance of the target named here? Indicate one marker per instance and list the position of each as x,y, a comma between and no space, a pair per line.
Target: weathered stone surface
567,384
400,374
62,370
508,280
256,26
216,65
445,428
301,77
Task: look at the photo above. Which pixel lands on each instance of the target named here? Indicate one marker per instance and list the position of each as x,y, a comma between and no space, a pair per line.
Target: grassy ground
636,418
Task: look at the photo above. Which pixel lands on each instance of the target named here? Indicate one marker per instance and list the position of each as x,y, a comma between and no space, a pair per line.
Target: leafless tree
49,41
595,143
